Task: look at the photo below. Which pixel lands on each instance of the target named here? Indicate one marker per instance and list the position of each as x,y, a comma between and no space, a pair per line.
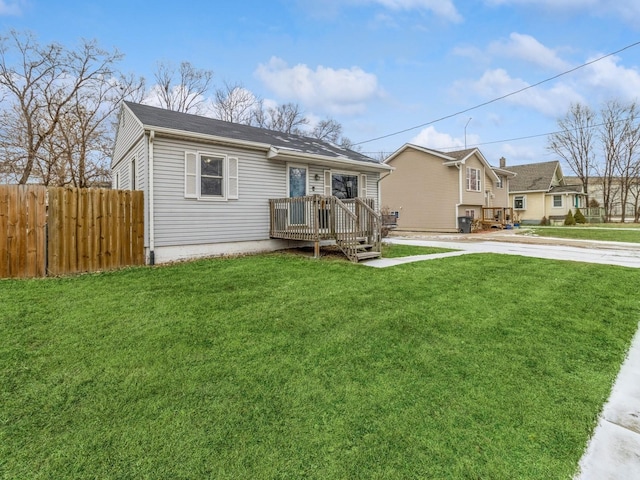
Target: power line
516,139
484,104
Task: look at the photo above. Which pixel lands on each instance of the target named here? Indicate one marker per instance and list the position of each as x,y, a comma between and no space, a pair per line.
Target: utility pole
465,133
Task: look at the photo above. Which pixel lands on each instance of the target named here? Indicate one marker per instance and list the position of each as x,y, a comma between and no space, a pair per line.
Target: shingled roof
534,177
155,117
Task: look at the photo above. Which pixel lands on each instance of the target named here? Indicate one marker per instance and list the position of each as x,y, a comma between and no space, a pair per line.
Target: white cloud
610,80
8,7
442,8
496,83
430,138
527,48
336,91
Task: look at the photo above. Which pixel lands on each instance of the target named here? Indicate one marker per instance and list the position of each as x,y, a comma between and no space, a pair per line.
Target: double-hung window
210,176
345,185
557,201
473,179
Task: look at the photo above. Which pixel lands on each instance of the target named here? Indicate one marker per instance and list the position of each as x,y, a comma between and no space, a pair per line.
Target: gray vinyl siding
129,132
188,221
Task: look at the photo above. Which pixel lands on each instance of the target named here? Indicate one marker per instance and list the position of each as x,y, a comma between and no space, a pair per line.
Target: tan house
431,190
540,190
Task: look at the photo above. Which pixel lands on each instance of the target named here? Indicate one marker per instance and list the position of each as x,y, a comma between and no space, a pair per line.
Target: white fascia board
294,155
418,148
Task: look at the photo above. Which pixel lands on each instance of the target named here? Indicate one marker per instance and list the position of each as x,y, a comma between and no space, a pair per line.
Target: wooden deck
497,217
353,224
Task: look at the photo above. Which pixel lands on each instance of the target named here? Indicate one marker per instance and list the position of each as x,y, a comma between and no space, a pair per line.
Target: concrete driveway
613,453
509,243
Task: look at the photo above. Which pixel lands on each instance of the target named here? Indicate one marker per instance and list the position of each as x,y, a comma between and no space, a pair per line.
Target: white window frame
500,183
478,183
470,213
362,182
553,201
524,202
193,176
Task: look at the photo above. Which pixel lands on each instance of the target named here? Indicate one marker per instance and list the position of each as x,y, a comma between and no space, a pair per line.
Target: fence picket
56,231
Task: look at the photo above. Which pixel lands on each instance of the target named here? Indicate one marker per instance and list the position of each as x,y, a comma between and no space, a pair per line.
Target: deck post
315,212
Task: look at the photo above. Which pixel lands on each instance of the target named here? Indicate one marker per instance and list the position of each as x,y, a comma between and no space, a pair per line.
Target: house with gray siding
211,186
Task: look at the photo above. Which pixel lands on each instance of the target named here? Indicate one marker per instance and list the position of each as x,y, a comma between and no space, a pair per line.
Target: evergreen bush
544,222
579,217
569,220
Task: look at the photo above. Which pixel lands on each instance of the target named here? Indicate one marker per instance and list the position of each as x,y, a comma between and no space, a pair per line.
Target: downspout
380,177
152,239
455,218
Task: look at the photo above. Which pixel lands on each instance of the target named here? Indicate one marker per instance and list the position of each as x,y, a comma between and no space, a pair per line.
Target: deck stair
353,223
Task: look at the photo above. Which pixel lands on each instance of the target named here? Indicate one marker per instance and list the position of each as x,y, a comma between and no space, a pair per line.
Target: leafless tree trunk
234,103
42,91
285,118
186,93
574,143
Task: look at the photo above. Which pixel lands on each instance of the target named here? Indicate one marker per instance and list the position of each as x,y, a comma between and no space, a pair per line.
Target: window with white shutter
191,175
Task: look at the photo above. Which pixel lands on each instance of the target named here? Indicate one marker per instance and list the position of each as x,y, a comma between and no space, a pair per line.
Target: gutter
152,239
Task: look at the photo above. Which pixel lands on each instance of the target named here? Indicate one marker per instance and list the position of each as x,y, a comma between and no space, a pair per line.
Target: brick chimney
503,162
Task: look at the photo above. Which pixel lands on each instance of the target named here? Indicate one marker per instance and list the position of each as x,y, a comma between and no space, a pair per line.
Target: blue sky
379,66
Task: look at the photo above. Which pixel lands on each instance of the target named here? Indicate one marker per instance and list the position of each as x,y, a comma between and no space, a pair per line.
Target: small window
499,183
519,202
470,213
473,179
344,186
557,201
210,176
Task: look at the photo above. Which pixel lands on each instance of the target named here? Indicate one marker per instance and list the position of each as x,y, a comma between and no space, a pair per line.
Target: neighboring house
429,190
540,190
596,189
209,184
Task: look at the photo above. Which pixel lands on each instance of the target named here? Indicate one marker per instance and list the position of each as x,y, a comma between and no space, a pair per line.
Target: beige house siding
470,197
423,191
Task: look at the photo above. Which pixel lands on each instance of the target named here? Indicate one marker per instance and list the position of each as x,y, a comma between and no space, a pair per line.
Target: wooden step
366,255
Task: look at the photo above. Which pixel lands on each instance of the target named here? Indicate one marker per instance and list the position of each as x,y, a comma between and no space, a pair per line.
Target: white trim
298,165
133,174
189,252
553,200
478,184
193,176
524,202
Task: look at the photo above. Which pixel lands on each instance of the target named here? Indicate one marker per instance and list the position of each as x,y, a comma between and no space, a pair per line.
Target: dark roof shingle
532,177
162,118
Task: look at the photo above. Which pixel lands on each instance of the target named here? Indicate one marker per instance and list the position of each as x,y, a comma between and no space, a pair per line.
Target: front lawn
589,233
280,366
394,250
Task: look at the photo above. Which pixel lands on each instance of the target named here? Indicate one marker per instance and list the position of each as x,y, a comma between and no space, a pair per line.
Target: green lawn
586,233
281,366
394,250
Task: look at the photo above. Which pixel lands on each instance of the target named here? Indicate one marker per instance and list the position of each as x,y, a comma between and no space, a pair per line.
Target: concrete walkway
613,453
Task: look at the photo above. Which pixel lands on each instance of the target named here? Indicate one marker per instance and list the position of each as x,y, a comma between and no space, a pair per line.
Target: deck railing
318,217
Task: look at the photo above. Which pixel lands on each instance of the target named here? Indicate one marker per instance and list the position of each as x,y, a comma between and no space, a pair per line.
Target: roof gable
160,118
535,177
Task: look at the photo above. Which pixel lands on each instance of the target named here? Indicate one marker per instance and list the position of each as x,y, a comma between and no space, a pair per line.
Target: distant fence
55,231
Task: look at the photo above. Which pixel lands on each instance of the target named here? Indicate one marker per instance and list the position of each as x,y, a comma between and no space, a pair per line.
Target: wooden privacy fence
56,231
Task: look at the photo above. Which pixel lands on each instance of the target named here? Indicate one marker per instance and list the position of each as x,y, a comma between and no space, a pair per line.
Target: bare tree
234,103
285,118
42,92
328,130
183,90
574,143
628,162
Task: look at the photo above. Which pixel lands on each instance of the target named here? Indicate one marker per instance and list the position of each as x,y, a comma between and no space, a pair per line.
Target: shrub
544,221
579,217
569,220
594,203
